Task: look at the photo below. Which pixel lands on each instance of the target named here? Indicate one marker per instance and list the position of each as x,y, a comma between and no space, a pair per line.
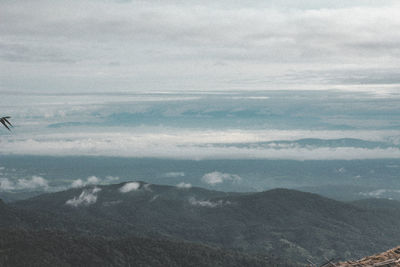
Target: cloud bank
36,182
187,144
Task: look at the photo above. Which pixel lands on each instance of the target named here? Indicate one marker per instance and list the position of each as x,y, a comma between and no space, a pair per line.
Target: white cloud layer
187,144
86,198
194,44
214,178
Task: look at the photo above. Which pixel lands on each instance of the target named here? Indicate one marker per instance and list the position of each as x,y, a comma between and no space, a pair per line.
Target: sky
141,46
201,79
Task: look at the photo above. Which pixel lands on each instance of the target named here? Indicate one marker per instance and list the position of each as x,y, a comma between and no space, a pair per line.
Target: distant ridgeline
149,225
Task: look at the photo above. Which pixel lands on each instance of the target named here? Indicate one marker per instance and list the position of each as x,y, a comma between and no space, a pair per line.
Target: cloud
92,180
33,183
174,174
199,145
341,170
6,184
112,178
183,185
86,198
36,182
147,187
214,178
78,183
208,203
263,40
211,128
380,193
128,187
179,149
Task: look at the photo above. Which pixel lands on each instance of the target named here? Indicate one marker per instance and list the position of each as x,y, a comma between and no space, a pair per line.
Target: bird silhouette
6,122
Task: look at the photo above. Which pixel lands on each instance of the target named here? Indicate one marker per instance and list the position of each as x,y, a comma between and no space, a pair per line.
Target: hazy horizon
203,80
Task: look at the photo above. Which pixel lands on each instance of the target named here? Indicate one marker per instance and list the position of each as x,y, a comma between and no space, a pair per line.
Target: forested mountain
286,223
52,248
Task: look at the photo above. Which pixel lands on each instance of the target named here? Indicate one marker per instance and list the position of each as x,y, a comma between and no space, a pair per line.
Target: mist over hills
198,133
22,177
286,223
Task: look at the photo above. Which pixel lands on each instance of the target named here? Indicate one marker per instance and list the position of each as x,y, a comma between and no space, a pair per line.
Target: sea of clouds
205,125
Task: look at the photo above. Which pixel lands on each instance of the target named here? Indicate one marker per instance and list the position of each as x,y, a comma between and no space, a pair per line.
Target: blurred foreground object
6,122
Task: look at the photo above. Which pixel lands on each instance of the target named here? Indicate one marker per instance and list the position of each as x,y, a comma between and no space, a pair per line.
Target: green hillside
286,223
50,248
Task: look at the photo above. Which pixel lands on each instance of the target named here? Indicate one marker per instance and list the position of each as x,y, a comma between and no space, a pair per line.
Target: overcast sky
86,46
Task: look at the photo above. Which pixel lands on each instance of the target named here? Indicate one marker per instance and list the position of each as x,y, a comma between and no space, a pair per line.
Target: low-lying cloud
214,178
208,203
36,182
217,144
381,193
93,180
86,198
174,174
128,187
183,185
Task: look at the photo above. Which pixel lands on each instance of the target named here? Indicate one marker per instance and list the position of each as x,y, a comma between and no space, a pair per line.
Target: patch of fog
86,198
393,166
183,185
154,198
214,178
208,203
379,193
341,170
147,187
174,174
128,187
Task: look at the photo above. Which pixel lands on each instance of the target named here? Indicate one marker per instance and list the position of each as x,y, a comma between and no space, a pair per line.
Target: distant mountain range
287,224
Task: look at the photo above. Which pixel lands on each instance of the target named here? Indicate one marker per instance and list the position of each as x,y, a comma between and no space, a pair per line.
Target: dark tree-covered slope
51,248
286,223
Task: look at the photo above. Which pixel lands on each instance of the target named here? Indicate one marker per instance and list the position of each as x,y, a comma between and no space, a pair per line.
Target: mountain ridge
287,223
